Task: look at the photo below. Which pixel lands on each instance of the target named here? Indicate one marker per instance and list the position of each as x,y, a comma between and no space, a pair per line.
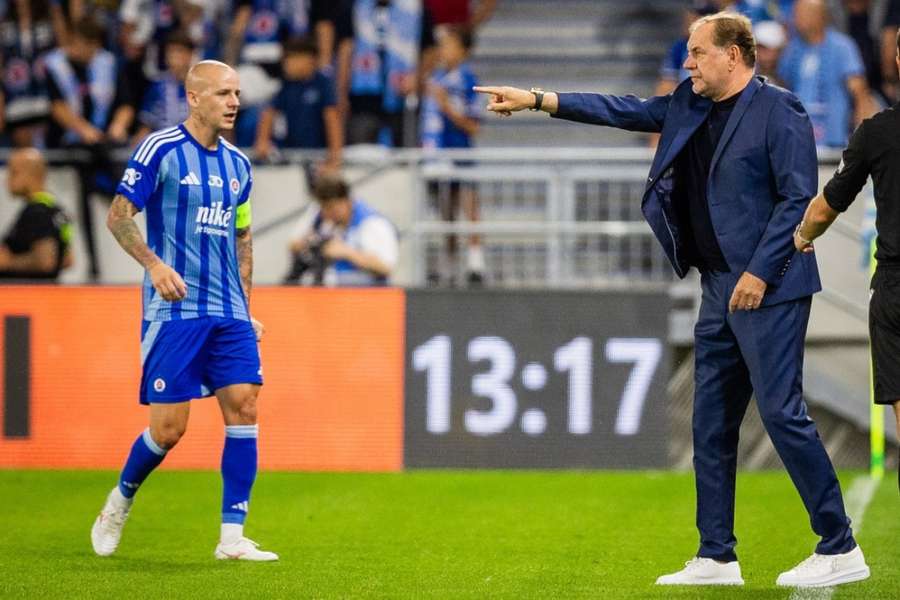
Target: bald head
206,74
811,18
26,172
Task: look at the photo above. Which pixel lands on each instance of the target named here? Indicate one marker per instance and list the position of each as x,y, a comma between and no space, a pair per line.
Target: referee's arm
838,194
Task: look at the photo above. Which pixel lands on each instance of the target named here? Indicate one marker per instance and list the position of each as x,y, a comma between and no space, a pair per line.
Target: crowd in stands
313,72
838,56
97,75
316,74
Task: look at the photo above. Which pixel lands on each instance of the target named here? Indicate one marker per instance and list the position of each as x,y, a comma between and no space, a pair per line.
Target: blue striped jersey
194,200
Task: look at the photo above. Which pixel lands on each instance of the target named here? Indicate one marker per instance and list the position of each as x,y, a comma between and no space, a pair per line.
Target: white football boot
704,571
825,570
243,549
107,529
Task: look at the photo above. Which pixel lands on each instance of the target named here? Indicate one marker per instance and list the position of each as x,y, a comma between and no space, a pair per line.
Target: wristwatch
538,99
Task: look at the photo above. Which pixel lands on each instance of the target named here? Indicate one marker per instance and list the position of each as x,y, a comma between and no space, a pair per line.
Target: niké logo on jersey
209,218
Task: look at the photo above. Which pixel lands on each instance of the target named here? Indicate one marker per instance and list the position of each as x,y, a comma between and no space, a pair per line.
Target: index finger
487,89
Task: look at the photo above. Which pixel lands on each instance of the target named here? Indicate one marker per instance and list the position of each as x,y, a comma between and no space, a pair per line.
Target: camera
310,260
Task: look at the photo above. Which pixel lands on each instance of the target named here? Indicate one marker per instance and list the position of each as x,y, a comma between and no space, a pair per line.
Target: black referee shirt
39,219
874,149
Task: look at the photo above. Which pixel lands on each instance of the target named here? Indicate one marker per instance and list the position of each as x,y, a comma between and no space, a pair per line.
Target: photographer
344,243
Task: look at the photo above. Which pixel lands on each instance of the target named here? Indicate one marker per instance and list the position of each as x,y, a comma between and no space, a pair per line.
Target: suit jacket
763,174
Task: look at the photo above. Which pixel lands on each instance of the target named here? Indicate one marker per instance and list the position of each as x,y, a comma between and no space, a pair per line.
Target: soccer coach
734,170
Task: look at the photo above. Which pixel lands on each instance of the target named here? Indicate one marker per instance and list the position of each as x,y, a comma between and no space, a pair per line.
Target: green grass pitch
428,534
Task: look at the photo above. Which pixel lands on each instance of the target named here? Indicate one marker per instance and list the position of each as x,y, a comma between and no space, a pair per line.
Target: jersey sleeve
851,173
243,213
139,179
245,192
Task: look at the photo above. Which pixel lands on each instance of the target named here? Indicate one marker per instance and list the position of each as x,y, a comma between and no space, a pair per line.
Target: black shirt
692,176
40,219
874,149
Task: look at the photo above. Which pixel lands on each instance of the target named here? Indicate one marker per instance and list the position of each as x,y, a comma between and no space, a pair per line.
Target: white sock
231,532
119,500
476,259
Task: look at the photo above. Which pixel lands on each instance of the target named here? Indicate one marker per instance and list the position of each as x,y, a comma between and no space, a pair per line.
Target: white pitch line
857,500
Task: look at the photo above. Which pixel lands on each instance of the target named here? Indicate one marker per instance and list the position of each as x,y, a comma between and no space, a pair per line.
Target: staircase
604,46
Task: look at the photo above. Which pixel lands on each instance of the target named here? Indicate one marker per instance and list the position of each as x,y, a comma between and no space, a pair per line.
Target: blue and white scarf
101,74
398,44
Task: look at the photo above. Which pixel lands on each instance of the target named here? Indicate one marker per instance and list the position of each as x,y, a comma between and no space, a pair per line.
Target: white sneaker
825,570
107,529
243,549
704,571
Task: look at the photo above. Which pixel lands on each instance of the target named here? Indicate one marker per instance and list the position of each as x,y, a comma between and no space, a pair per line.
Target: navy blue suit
762,176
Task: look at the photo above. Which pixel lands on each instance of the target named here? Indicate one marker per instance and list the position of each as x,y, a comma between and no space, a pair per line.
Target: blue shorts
192,358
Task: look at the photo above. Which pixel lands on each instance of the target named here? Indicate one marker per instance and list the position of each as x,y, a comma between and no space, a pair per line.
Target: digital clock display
536,379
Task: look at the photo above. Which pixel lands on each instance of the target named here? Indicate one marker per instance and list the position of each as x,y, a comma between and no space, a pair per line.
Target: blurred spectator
305,105
104,12
770,40
217,20
461,12
37,246
823,68
345,242
755,10
391,56
873,26
165,102
260,28
672,71
28,29
82,84
451,111
343,55
147,23
88,112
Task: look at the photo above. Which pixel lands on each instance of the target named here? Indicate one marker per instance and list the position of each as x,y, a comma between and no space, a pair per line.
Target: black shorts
884,333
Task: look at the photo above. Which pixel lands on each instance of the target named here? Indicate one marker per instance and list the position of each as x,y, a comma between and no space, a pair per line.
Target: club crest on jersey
235,185
159,385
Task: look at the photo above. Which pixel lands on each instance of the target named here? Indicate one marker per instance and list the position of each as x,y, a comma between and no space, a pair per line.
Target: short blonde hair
731,29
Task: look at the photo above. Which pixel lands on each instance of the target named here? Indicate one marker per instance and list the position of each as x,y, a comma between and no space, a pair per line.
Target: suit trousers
758,351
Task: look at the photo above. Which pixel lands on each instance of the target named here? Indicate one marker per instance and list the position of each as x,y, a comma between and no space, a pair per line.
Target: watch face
544,379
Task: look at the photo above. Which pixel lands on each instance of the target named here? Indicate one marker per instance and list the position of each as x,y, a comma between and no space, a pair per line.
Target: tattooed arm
245,259
120,221
245,267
